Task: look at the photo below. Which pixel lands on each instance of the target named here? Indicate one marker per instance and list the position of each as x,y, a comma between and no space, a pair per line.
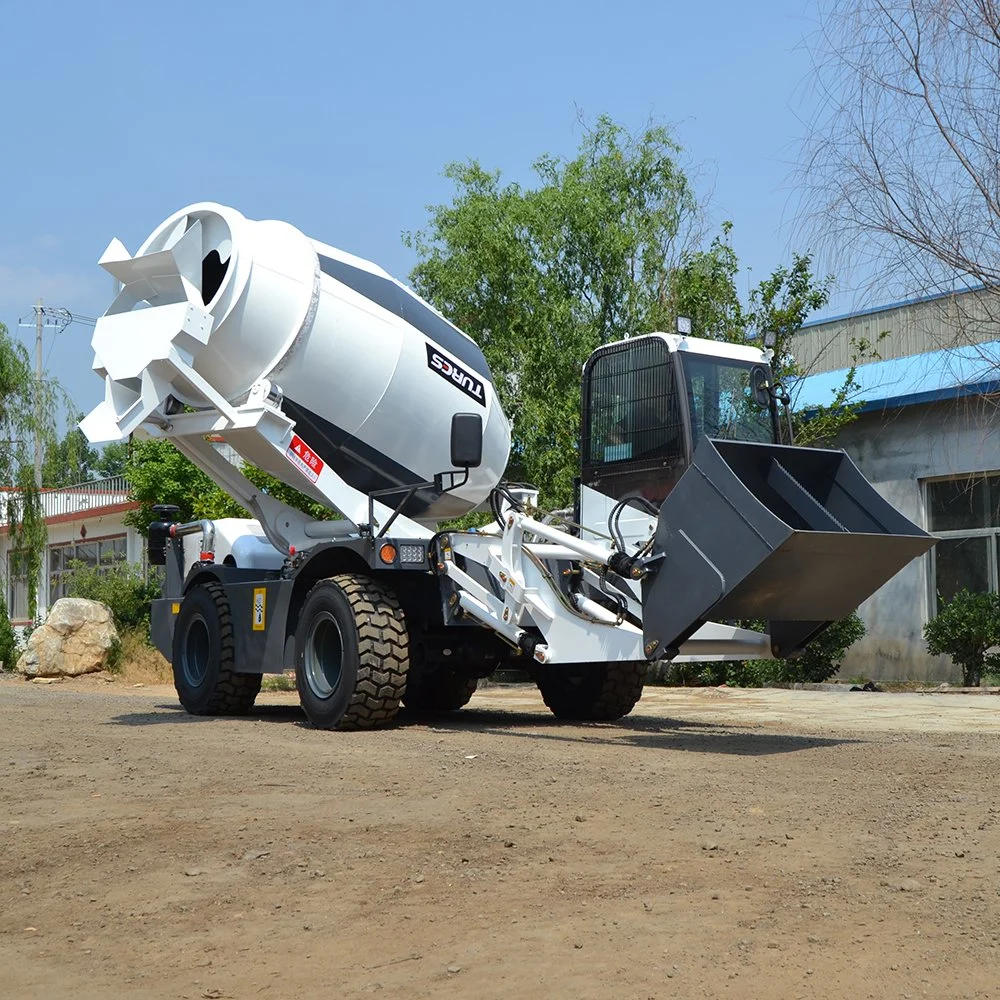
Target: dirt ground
714,844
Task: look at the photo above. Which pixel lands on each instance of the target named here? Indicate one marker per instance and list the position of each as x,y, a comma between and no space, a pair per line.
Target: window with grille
17,587
632,413
103,554
964,513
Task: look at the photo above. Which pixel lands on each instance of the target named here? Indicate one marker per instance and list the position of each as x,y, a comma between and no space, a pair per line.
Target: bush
10,648
115,656
124,588
821,658
819,662
965,629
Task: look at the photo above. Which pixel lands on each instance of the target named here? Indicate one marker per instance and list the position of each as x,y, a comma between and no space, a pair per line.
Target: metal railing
80,497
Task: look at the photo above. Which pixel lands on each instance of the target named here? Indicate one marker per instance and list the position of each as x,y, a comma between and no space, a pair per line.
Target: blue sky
339,118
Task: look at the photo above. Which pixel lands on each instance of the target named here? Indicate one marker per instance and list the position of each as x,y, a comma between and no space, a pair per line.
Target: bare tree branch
901,168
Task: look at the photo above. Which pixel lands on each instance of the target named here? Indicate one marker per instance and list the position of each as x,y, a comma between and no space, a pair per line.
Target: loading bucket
794,536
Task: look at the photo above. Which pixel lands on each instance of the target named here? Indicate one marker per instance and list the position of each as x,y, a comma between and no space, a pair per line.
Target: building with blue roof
926,437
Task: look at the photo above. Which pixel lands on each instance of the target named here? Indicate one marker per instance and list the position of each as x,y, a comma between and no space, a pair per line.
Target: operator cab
647,402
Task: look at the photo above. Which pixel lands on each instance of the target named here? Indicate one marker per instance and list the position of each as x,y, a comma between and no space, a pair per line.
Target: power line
42,318
52,345
55,317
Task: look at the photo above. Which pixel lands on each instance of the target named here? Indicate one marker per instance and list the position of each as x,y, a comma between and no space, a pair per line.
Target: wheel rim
324,655
194,661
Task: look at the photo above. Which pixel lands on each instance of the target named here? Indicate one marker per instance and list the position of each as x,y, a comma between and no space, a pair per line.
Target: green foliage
158,473
124,588
26,407
71,460
278,682
542,276
703,287
820,427
112,460
823,656
287,494
966,629
10,648
819,661
602,247
116,656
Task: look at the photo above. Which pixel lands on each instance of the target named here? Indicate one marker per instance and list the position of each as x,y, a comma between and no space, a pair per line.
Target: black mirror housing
760,386
466,440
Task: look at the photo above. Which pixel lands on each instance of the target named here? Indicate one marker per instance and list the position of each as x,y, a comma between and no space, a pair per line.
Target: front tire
351,653
592,692
202,656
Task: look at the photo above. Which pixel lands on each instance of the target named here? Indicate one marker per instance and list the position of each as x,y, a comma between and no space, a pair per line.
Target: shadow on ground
173,714
643,732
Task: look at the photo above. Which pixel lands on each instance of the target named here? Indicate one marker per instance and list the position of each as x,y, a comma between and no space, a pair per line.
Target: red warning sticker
304,458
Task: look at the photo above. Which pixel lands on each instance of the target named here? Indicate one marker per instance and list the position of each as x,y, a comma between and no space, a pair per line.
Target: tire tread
607,691
234,693
383,651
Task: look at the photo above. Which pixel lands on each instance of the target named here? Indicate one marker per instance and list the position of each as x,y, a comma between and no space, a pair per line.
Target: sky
340,117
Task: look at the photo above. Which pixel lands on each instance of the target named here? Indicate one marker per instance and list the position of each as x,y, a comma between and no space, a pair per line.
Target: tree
159,474
900,165
605,246
703,288
10,648
112,460
541,277
70,460
26,409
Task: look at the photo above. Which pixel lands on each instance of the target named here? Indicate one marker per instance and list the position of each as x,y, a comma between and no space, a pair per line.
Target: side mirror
466,441
760,388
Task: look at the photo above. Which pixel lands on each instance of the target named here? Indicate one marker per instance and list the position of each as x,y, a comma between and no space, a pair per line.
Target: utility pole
38,393
54,319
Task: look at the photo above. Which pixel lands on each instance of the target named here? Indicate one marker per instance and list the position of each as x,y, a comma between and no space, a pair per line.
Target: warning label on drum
259,608
304,458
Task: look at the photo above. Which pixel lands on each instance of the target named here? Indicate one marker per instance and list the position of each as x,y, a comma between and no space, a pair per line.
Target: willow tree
27,416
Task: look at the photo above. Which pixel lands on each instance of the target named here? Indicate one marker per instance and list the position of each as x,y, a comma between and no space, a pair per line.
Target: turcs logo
456,374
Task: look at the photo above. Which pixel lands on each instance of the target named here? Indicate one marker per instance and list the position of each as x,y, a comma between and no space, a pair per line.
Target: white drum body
370,373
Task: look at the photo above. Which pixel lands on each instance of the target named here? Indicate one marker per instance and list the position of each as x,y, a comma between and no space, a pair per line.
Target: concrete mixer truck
320,368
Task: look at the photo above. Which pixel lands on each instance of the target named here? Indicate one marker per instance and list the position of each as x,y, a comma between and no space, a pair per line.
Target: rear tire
203,656
592,692
434,687
351,653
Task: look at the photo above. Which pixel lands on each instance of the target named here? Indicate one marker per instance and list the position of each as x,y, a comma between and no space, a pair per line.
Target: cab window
632,406
721,400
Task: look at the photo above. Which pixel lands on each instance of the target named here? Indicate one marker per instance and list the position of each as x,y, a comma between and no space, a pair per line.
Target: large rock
76,638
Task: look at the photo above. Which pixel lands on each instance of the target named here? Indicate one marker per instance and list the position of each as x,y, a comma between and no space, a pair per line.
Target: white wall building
85,523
